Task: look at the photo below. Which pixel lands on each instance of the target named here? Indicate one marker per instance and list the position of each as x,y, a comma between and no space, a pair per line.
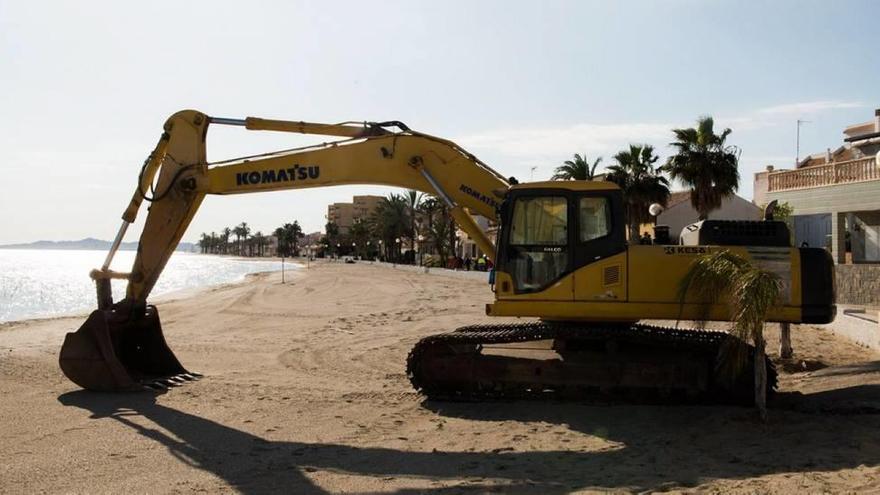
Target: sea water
41,283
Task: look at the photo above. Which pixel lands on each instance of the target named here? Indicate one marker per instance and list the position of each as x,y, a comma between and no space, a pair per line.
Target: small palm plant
750,292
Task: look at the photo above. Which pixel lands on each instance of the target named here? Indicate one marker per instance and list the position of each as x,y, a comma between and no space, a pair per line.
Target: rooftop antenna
797,156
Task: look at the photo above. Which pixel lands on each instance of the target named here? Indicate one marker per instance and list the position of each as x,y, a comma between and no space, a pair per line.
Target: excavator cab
551,229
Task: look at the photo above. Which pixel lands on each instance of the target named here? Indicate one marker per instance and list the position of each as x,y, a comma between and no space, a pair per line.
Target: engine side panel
652,277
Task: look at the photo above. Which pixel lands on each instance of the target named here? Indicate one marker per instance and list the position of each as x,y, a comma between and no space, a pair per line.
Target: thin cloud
538,143
593,139
776,115
525,148
743,123
808,107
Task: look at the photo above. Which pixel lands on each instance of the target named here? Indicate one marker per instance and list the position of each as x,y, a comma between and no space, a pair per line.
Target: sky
86,86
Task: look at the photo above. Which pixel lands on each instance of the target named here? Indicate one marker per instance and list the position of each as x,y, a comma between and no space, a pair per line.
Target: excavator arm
121,345
369,154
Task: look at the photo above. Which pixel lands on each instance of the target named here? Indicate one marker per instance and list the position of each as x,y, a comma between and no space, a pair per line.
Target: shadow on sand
653,448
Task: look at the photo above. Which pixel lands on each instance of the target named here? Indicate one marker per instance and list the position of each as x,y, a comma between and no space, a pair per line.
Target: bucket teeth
155,386
118,350
165,383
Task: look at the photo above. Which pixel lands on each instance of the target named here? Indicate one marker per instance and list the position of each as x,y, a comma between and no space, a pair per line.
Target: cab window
538,243
595,218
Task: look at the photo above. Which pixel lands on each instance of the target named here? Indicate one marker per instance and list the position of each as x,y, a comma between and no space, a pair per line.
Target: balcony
848,172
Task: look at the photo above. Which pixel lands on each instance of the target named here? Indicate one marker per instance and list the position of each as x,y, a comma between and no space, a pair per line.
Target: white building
679,213
835,196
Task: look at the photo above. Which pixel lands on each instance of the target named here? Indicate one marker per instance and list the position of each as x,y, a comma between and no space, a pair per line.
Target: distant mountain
88,243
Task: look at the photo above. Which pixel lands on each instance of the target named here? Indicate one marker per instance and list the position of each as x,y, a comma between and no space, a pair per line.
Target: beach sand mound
305,392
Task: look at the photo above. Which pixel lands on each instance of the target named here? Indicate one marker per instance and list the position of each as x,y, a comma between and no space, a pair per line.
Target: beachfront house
835,195
835,198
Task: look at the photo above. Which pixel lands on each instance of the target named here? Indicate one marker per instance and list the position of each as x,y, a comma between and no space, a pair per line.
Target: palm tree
428,210
283,250
260,240
705,164
640,183
390,222
439,228
293,233
331,236
750,292
236,231
288,236
578,168
241,231
413,200
224,236
360,234
204,242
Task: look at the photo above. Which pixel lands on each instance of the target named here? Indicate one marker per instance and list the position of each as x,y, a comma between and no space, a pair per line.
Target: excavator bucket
115,352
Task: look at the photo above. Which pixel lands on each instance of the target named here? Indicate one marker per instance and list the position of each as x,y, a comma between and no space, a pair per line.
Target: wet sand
305,392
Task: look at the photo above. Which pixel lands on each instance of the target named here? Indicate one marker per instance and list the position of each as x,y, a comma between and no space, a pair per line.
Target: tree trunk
785,350
452,227
634,233
761,378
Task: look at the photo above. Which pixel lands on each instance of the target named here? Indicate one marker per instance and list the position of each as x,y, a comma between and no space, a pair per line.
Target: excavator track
631,362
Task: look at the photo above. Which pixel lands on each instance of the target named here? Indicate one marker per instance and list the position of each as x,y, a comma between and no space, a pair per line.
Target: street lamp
421,238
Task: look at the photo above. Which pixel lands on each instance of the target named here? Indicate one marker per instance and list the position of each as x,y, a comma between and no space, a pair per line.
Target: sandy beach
305,392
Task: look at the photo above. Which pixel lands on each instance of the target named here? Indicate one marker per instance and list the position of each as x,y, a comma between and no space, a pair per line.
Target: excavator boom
369,154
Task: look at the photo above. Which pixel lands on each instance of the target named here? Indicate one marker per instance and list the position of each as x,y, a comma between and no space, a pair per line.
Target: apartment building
344,215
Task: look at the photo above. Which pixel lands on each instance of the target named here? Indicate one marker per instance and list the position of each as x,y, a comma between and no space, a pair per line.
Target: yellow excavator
561,260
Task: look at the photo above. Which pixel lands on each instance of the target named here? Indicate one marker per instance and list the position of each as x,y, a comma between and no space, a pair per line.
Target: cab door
535,260
599,247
